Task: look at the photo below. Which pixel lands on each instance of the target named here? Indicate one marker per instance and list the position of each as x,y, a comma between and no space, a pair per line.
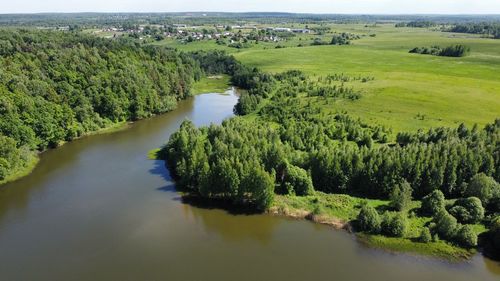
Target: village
232,35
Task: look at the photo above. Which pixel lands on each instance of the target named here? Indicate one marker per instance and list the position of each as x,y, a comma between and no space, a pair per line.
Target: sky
295,6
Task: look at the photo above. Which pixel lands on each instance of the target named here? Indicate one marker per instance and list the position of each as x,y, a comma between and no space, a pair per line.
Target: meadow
410,91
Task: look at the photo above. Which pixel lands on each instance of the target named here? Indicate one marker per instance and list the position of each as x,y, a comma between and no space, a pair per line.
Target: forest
485,28
294,149
58,86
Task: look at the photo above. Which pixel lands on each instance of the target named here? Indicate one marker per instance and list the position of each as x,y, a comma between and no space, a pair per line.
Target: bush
446,225
369,219
425,235
468,210
299,180
466,236
401,196
483,187
433,203
394,225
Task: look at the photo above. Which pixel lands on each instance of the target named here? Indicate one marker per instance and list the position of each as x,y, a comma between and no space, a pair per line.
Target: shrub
446,225
394,225
425,235
369,219
466,236
401,196
468,210
433,203
483,187
299,180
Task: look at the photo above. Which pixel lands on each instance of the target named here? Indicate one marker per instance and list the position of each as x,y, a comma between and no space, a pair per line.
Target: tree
298,179
368,219
483,187
433,203
259,185
401,196
394,225
446,225
466,236
468,210
425,235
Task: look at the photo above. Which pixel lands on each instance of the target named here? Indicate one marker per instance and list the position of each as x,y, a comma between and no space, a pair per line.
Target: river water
98,209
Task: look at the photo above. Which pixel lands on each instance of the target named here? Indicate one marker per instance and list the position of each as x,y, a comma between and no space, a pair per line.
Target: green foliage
433,203
56,86
450,51
468,210
394,225
401,196
368,219
343,38
486,28
446,225
298,181
203,162
260,185
466,236
483,187
425,235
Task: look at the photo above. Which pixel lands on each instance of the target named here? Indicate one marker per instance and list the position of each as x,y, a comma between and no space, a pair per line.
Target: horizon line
253,12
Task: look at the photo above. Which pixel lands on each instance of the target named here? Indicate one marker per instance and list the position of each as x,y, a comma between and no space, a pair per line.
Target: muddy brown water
98,209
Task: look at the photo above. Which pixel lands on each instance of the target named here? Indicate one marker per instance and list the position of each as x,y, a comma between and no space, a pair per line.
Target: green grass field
212,84
410,91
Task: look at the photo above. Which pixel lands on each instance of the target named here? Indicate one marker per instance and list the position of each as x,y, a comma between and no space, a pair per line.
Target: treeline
340,155
416,24
57,86
487,29
338,159
450,51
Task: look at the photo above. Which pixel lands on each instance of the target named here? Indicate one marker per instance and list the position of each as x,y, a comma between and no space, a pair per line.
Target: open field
445,91
212,84
410,91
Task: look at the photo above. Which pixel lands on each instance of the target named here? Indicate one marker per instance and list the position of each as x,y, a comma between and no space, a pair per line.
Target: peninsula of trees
445,176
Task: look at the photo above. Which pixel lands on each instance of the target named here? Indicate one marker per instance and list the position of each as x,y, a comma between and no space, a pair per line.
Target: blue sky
299,6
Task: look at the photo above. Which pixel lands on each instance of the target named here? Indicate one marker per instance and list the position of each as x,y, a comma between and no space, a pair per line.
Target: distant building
305,30
282,29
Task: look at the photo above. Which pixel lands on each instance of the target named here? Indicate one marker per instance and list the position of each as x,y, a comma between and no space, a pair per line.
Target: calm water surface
98,209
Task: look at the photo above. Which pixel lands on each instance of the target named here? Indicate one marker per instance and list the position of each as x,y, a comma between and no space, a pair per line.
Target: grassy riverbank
26,170
340,211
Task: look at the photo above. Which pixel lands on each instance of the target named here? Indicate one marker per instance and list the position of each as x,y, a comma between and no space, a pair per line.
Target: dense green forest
485,28
293,148
57,86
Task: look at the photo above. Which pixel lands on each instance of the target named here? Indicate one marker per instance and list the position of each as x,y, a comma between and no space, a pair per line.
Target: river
98,209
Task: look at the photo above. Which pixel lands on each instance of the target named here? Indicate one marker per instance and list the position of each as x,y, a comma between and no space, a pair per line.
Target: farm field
410,91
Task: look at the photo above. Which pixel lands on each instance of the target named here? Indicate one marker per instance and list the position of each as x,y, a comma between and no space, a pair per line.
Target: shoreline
35,155
440,250
114,127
